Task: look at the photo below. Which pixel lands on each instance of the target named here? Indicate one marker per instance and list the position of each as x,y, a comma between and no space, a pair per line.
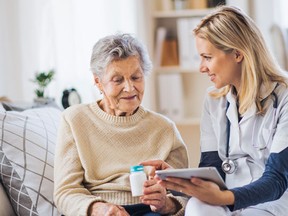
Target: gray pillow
27,144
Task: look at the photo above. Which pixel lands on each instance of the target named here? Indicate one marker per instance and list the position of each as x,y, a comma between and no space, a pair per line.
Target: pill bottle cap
136,168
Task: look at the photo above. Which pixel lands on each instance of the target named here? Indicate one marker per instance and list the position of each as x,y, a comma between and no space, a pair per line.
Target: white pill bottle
137,179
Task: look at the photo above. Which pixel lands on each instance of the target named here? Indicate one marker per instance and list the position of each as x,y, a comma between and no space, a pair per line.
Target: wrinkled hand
203,190
155,196
107,209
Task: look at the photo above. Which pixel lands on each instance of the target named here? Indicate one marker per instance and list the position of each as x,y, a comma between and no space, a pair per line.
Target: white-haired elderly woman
98,142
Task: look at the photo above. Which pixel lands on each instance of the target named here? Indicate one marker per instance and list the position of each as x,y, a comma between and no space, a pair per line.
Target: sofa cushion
27,144
1,108
21,106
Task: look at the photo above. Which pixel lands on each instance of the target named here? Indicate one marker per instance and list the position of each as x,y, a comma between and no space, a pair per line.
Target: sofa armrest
5,207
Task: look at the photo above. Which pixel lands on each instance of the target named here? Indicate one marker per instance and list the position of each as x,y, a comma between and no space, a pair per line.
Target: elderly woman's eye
136,77
117,80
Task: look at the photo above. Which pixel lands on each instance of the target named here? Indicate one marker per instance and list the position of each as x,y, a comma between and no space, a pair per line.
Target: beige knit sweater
95,151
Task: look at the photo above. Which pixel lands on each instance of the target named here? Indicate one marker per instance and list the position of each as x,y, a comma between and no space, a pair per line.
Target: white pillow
27,143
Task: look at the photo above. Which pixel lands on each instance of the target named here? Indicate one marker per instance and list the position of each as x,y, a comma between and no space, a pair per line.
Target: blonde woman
244,127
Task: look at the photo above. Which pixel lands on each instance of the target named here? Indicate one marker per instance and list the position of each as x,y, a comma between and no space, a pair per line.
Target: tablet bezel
206,173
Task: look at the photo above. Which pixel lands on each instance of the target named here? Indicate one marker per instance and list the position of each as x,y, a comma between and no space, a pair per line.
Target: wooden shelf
182,13
180,91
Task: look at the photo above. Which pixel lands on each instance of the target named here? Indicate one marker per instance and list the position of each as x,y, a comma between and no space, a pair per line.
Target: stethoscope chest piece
229,166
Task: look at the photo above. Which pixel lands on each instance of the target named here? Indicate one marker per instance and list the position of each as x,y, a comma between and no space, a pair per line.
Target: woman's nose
128,86
203,69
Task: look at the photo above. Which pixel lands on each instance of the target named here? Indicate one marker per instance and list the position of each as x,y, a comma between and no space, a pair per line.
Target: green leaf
43,79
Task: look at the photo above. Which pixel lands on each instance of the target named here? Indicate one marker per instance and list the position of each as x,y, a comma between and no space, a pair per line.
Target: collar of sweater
136,117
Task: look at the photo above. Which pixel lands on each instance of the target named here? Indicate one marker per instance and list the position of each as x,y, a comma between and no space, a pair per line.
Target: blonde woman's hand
203,190
155,165
106,209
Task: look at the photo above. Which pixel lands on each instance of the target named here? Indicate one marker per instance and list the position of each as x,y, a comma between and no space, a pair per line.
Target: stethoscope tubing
228,125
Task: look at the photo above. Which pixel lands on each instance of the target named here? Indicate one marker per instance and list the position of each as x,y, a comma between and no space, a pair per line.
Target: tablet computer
206,173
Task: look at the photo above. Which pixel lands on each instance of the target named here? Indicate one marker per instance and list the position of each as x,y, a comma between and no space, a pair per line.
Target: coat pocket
266,139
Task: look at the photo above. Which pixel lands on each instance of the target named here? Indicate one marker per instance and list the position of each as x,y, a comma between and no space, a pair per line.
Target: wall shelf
182,13
179,89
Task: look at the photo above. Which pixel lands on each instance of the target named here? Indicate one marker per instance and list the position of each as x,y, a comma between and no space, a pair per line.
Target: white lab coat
251,140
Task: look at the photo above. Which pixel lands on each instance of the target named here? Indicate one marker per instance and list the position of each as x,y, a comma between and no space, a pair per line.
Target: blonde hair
228,29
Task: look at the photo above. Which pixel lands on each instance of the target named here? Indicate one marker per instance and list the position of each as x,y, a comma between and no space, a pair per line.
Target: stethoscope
229,166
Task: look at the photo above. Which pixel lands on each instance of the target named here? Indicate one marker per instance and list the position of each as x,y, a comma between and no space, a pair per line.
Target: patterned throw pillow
1,108
27,144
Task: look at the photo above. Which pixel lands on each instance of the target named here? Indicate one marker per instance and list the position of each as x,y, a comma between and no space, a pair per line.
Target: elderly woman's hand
106,209
155,195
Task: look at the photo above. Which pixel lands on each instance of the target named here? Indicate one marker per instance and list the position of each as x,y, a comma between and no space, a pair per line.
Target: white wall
261,11
40,35
266,13
10,62
67,35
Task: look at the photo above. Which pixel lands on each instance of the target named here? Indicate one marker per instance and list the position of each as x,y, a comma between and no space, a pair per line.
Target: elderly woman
98,142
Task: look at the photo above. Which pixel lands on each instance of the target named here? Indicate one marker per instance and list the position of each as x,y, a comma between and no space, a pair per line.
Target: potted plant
42,79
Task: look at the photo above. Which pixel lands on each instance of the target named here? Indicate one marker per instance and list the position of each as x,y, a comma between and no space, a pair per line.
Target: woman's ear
98,83
238,56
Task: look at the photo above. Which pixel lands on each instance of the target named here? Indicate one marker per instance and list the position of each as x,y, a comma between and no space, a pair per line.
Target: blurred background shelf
182,13
179,86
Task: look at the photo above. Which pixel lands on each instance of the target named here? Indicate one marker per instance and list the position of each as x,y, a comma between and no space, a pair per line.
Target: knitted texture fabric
95,151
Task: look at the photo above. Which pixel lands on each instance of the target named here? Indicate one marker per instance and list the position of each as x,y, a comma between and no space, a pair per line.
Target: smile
212,77
129,97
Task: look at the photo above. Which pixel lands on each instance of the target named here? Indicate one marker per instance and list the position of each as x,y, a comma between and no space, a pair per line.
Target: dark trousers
140,210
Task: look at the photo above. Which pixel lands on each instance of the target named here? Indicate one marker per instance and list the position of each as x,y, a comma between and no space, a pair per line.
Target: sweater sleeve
69,193
178,158
269,187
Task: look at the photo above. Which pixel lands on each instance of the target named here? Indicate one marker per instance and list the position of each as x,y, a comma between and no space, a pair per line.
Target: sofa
27,144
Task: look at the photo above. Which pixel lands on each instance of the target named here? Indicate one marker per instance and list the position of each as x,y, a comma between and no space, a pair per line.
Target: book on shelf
198,4
215,3
170,98
169,53
166,5
188,55
166,49
161,33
